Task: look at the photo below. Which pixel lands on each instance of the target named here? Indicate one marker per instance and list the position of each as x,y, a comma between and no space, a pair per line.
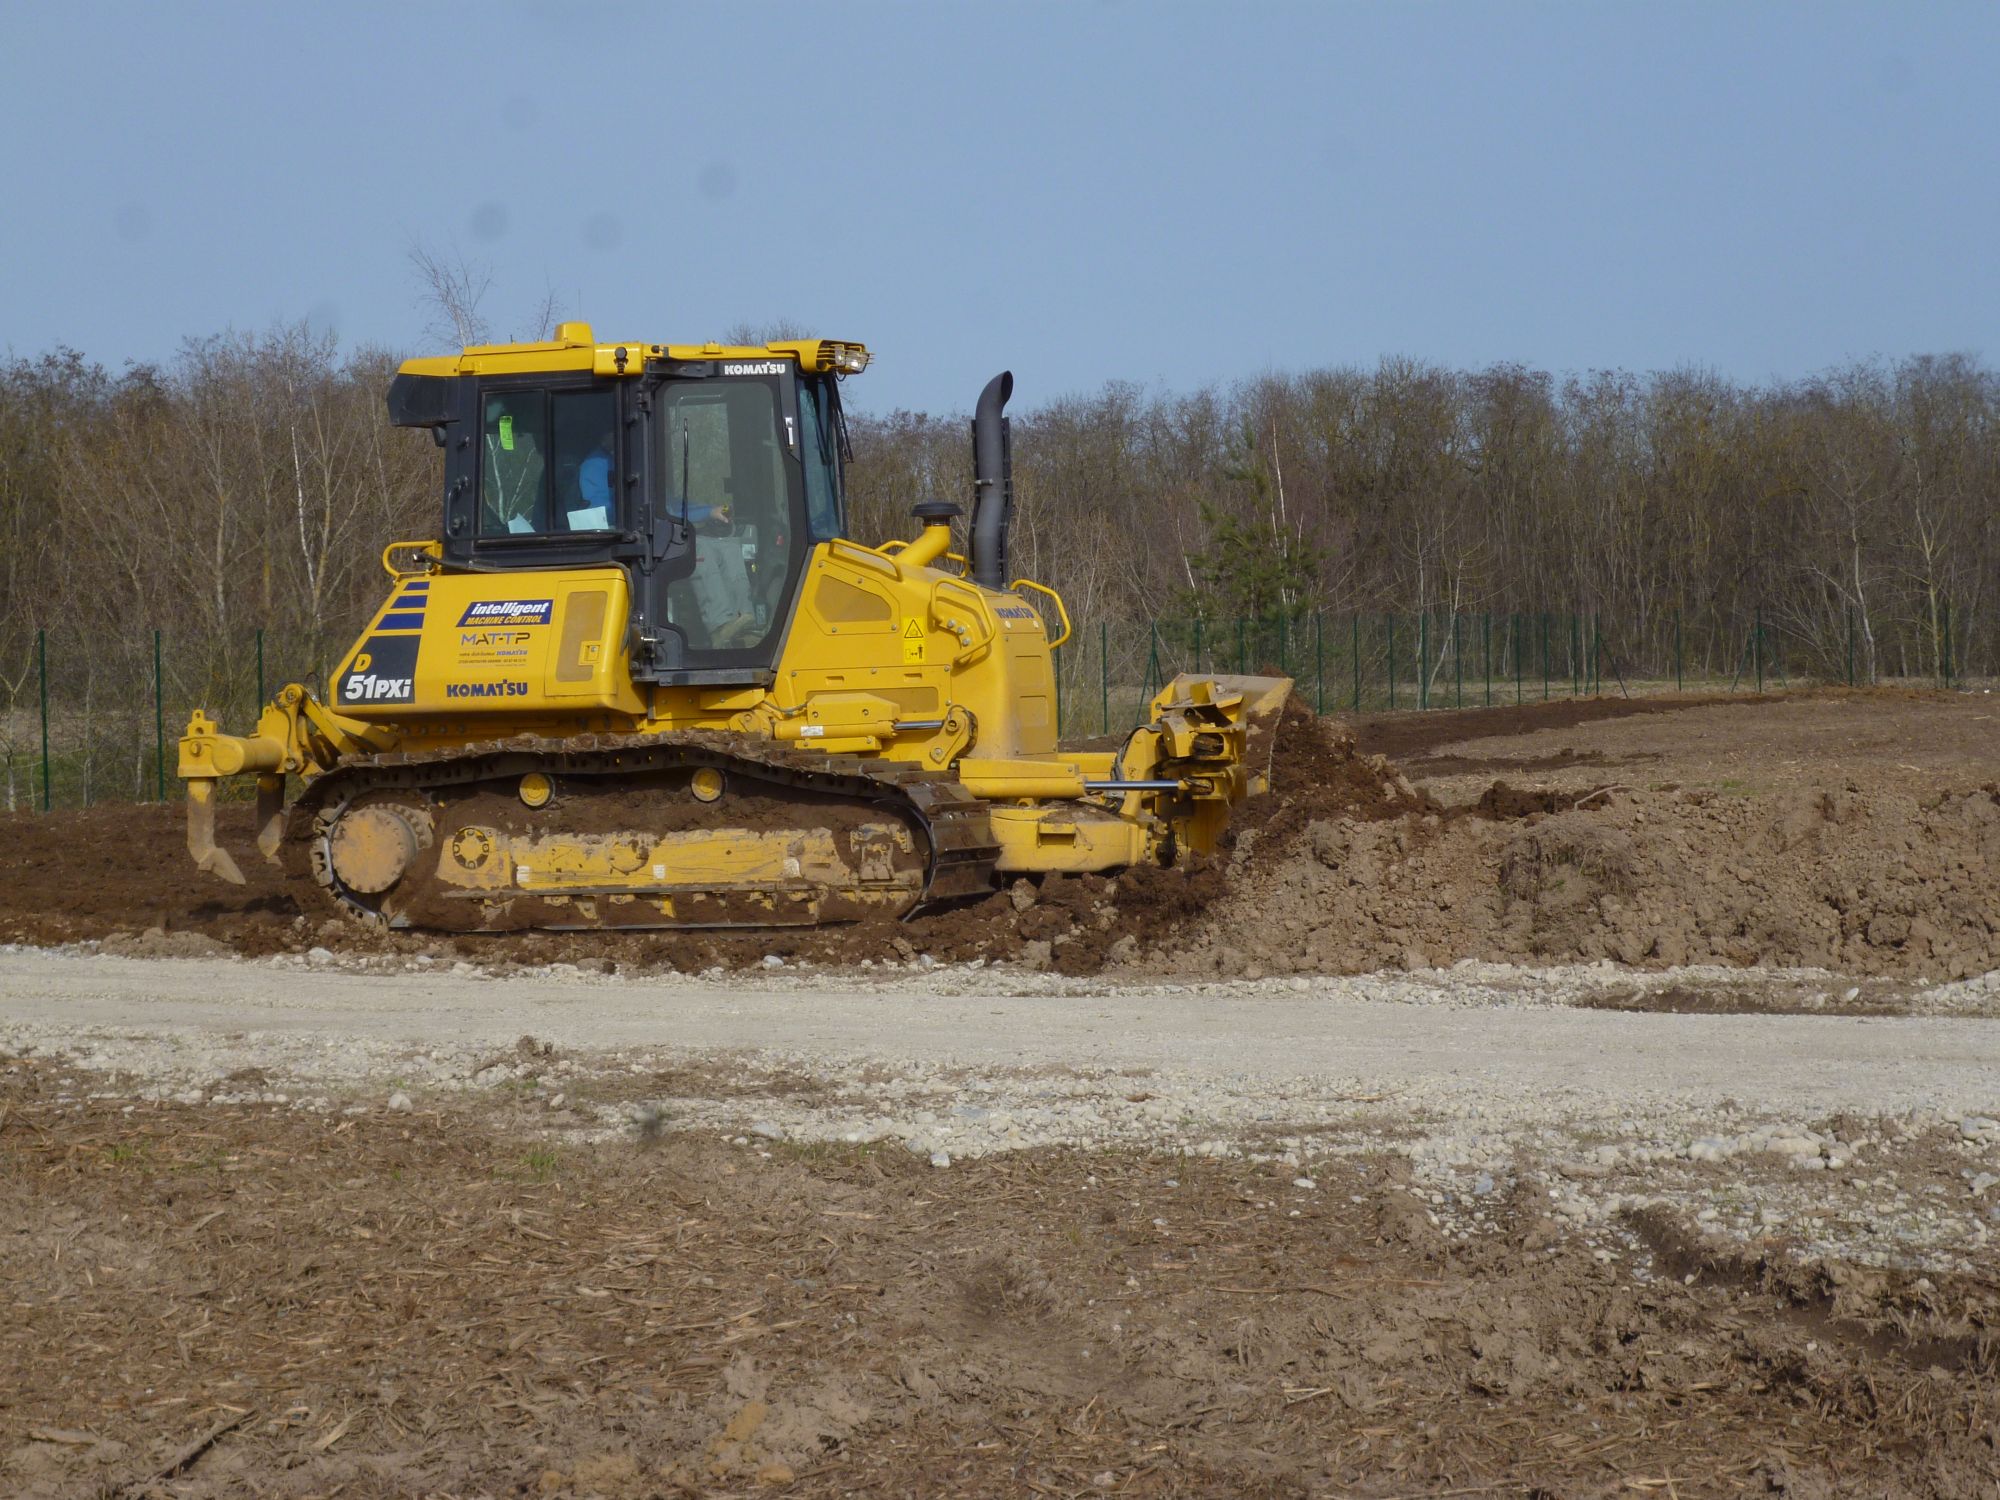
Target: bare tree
451,287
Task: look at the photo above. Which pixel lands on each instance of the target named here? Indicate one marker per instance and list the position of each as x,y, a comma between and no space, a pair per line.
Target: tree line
1854,509
251,481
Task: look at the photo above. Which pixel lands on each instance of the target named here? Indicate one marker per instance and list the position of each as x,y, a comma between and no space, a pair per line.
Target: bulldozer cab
708,480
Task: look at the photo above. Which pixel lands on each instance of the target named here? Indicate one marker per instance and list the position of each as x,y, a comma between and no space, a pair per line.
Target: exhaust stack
992,483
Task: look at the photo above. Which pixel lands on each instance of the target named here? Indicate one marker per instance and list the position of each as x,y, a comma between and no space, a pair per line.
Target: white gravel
1488,1078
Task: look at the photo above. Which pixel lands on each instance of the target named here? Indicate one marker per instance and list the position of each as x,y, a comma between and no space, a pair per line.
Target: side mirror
438,434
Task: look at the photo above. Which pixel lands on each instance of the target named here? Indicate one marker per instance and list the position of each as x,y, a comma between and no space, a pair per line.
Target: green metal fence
87,720
1379,662
91,719
1375,662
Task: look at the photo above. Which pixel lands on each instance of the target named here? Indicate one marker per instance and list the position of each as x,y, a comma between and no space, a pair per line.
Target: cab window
725,476
548,462
819,451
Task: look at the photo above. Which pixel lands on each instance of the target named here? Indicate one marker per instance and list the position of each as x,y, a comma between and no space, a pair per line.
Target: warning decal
913,640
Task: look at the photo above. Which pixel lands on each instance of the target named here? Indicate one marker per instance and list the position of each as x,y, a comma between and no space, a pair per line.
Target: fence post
1457,665
1597,656
1319,664
1545,656
1677,651
42,675
1424,659
1354,654
1242,646
1104,676
1391,618
1197,643
1757,645
1515,631
1486,653
260,678
1850,648
1944,643
159,726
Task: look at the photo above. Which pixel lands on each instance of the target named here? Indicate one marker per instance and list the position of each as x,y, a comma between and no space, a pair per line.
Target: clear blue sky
1168,193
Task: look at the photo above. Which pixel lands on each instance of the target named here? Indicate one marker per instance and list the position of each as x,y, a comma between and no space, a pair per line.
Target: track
616,795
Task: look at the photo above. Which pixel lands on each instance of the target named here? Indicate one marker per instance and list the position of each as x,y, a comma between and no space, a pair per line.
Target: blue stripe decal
417,588
402,622
407,601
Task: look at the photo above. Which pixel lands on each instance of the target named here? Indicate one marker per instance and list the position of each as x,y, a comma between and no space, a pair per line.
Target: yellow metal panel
577,348
1041,840
981,651
480,646
850,605
581,653
989,777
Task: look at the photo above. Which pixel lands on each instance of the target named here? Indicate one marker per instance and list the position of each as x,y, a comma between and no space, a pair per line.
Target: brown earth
1854,831
253,1300
1411,735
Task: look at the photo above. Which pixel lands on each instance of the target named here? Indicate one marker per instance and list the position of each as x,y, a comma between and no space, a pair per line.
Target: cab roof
576,347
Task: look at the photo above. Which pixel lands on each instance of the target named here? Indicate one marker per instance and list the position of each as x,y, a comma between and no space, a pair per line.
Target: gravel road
1484,1077
1508,1040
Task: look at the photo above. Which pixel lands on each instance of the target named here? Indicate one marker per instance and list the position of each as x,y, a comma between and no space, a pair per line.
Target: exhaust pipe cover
992,483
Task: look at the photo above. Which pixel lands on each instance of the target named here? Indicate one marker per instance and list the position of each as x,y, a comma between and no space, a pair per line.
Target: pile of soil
1859,881
1345,866
1318,773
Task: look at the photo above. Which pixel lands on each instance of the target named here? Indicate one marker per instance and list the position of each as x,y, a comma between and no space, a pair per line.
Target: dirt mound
1344,866
1318,773
1862,882
1501,802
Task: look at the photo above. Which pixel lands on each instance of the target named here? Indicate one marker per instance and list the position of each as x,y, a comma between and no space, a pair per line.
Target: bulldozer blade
1263,706
270,815
209,858
1257,703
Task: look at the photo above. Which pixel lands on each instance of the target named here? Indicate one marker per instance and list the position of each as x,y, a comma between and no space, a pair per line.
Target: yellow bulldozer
643,678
